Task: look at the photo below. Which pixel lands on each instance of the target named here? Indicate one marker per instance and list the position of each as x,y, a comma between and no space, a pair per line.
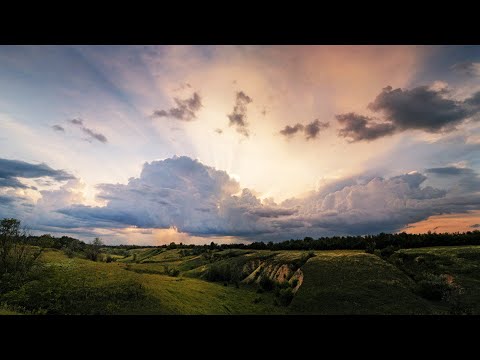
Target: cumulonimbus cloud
238,117
421,108
201,200
186,109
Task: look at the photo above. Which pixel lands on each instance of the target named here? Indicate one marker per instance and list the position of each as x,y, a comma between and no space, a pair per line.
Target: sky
193,144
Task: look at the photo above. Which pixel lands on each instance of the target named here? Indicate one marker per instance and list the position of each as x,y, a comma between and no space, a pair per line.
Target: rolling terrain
435,280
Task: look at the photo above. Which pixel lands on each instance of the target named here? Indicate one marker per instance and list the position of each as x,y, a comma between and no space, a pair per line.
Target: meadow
430,280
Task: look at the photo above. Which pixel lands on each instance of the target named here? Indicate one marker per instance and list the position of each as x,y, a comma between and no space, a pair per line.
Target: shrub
92,251
266,283
370,247
285,296
257,300
67,292
18,259
387,252
434,287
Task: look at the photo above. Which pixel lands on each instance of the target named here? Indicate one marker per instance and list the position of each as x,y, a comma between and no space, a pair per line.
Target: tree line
360,242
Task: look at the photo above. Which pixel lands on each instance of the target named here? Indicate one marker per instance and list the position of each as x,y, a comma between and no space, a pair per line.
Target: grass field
353,282
235,282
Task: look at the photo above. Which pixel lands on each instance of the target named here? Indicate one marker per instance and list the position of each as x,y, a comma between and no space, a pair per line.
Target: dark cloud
77,121
219,131
312,129
95,135
90,132
467,180
467,68
291,130
475,226
185,110
10,170
421,108
58,128
6,199
272,212
238,117
450,170
358,127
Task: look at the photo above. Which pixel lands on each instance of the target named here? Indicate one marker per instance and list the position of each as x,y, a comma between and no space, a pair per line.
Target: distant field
160,281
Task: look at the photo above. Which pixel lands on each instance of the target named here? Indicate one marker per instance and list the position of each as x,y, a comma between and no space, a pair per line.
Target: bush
171,271
434,287
370,247
18,259
69,252
68,293
266,283
92,251
387,252
285,296
257,300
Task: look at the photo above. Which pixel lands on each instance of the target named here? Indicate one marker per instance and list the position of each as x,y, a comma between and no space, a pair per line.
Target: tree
17,258
93,250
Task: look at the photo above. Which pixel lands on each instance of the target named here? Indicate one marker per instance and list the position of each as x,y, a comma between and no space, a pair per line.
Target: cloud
7,199
219,131
467,68
76,121
475,226
289,131
185,110
238,117
182,193
92,133
310,130
450,170
199,200
421,108
185,194
381,205
358,127
58,128
11,170
95,135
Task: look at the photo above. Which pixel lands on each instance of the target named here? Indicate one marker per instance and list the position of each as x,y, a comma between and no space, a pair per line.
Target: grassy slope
8,312
169,295
352,282
335,282
461,262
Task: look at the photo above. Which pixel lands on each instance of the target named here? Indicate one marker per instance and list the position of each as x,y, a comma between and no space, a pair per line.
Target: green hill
438,280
